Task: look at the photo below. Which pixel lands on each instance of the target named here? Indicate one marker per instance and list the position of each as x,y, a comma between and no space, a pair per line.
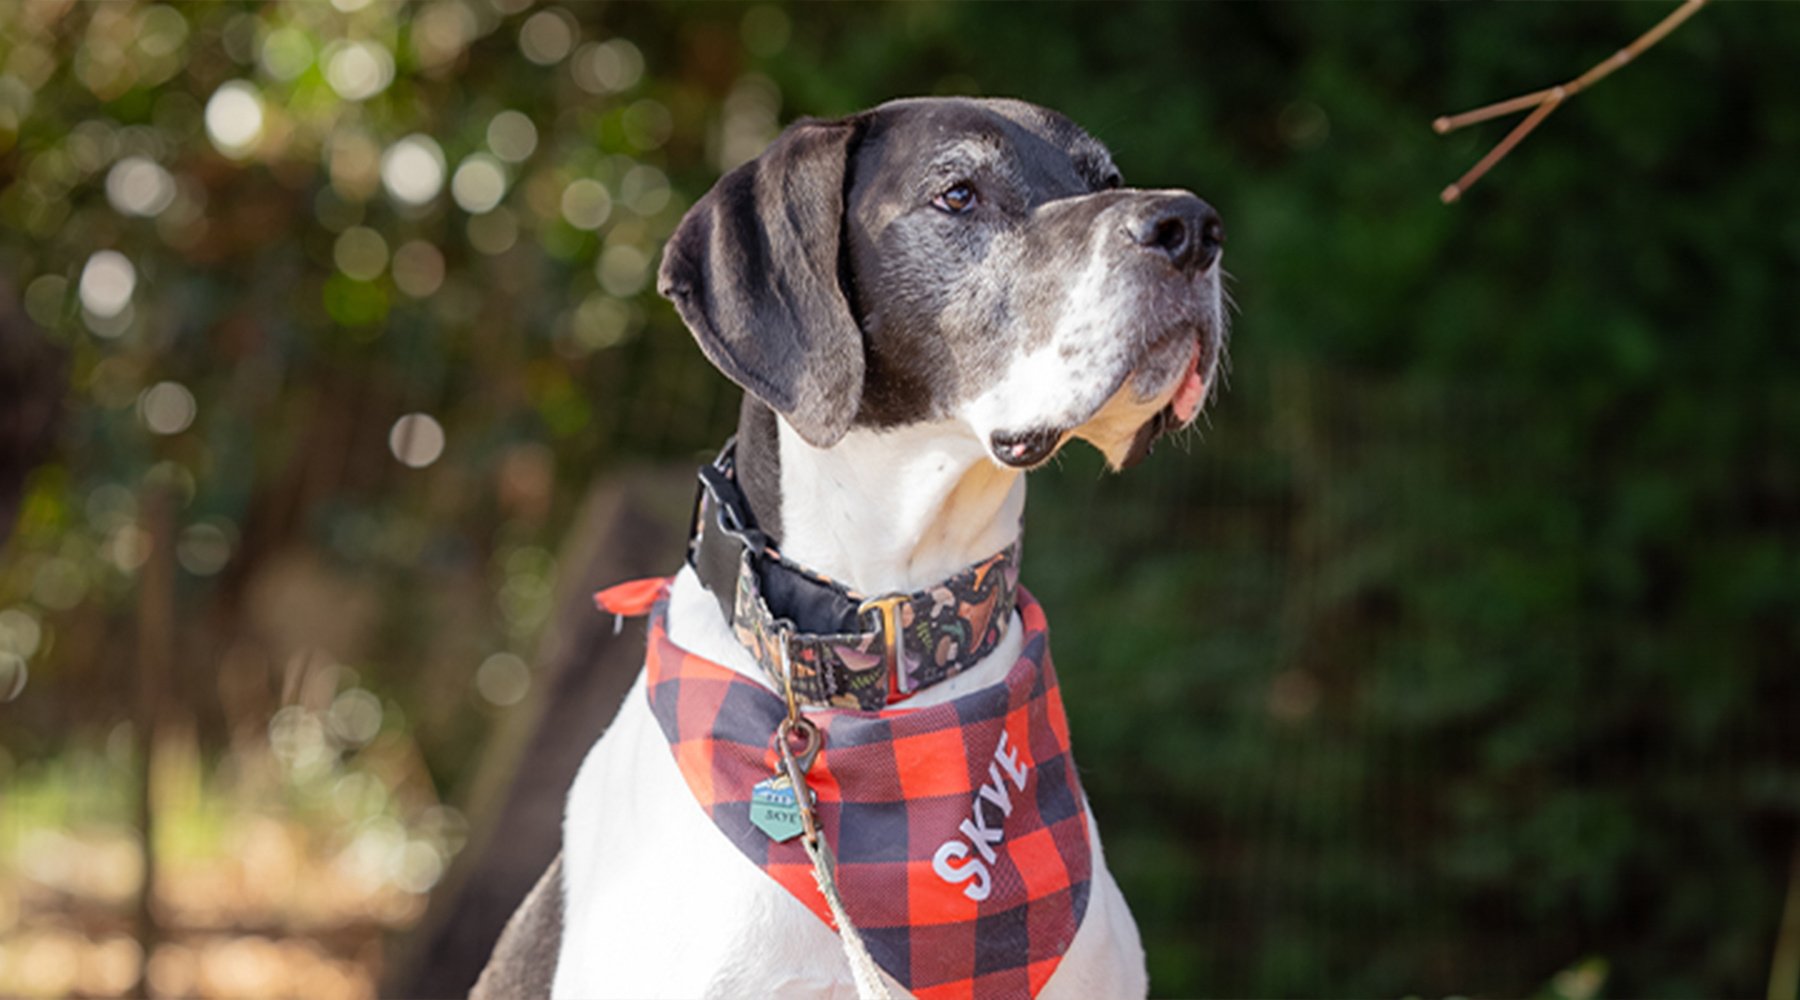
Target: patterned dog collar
846,649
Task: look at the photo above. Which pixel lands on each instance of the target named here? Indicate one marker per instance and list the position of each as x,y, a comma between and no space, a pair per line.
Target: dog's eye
959,198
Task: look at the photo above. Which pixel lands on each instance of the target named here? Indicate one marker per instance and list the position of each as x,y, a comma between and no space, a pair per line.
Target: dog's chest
718,908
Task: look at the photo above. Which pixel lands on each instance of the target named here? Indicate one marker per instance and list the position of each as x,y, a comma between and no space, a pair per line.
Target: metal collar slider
899,683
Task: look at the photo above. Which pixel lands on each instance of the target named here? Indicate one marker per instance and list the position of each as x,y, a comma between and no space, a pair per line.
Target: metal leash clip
781,805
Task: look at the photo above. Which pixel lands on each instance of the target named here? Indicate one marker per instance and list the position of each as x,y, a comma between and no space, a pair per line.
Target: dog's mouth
1182,408
1025,449
1128,424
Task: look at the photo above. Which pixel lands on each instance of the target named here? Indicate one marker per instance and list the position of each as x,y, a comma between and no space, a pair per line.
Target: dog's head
975,261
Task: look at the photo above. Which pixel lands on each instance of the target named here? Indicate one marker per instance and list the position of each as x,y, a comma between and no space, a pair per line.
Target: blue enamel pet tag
774,809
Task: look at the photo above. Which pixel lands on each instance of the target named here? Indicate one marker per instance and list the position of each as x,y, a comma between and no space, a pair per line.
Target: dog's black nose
1182,228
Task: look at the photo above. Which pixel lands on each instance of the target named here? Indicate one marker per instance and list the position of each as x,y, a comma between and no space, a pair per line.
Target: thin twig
1538,114
1450,123
1545,101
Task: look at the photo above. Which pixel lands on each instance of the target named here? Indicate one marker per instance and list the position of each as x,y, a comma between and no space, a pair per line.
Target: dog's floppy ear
753,271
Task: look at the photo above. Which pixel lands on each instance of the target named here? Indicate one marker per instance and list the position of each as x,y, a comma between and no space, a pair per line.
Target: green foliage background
1457,646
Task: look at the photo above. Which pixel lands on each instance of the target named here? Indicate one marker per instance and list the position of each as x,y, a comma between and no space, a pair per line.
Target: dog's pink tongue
1191,393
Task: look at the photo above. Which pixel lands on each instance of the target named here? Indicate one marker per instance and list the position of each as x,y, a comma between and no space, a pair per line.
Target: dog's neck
884,511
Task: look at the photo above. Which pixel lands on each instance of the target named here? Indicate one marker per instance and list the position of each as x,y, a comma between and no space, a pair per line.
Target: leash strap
848,650
867,975
863,970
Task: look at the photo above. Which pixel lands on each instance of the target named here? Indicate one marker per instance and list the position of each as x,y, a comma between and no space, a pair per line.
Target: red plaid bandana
960,829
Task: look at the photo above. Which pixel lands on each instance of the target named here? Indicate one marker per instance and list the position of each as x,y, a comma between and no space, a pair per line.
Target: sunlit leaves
360,279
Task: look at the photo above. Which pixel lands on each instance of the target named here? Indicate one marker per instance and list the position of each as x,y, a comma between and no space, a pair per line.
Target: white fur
1089,374
658,903
895,510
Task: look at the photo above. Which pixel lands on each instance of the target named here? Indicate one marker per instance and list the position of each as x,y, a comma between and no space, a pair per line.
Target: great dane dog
922,302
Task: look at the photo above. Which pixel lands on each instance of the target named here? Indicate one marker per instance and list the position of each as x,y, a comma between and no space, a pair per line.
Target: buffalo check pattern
895,789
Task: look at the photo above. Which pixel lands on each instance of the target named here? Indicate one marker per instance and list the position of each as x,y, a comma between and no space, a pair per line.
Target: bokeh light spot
107,283
503,679
647,124
129,547
420,867
601,321
286,53
412,170
167,408
45,299
358,70
479,184
512,136
110,327
59,584
354,717
418,268
547,36
644,189
360,253
417,440
237,36
608,67
355,164
89,145
138,185
441,32
623,269
297,738
234,118
585,203
751,119
20,633
13,676
494,233
204,548
161,31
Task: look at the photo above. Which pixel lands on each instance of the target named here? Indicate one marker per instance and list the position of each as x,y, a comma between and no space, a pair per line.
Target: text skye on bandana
960,829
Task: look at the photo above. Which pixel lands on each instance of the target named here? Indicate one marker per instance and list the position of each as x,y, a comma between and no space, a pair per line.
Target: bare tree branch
1543,102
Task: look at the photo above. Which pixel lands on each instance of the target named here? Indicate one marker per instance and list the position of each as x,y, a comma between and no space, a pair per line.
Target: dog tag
774,808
